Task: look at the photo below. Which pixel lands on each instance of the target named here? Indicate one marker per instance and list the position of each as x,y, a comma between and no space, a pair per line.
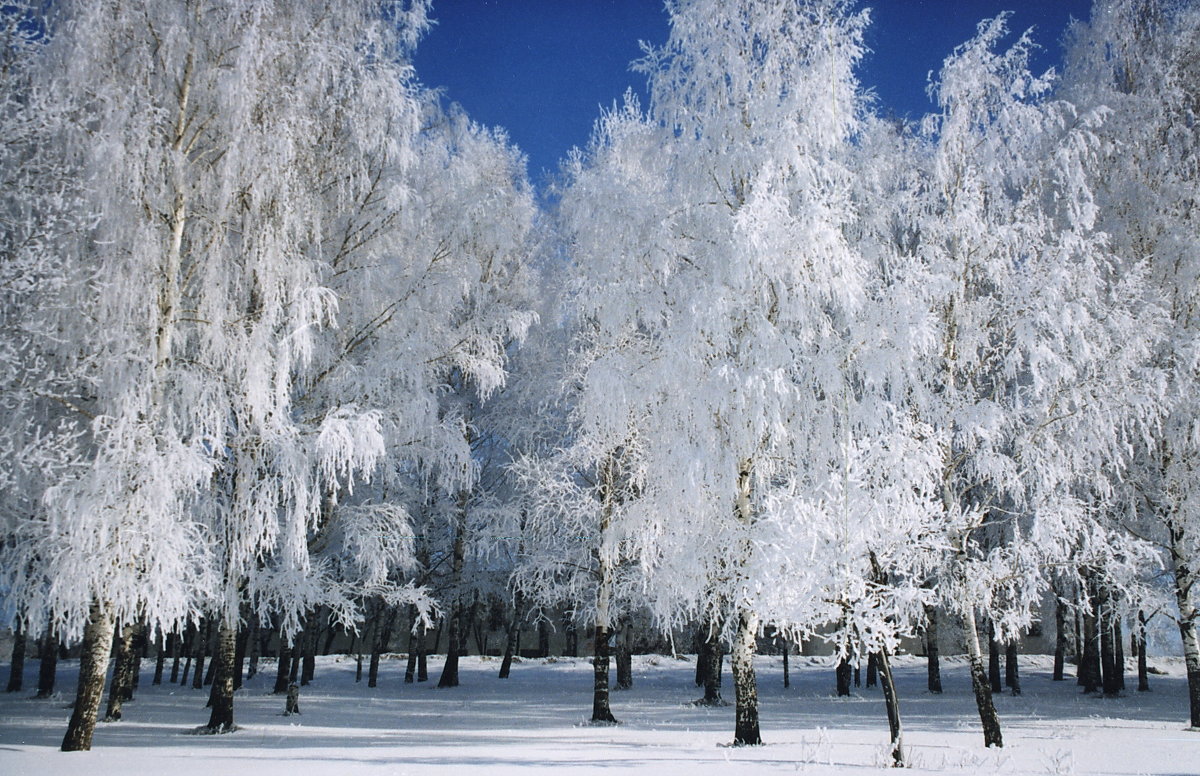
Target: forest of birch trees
289,344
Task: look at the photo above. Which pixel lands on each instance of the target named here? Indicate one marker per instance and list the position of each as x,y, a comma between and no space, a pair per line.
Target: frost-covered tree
1037,381
1136,60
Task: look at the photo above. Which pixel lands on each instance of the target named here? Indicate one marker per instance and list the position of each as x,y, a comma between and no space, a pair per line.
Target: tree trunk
48,665
1119,649
160,657
980,684
309,648
601,712
543,629
1188,615
120,688
787,674
201,648
1090,662
173,644
242,645
624,658
933,664
1060,639
93,665
224,660
892,703
745,683
449,677
712,660
284,665
16,671
994,661
1012,675
843,675
255,642
571,647
141,646
872,669
510,642
1143,669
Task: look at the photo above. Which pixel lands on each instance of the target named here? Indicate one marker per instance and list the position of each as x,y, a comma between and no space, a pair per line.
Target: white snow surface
536,722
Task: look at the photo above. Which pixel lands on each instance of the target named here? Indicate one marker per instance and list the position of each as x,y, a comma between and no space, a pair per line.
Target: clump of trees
271,359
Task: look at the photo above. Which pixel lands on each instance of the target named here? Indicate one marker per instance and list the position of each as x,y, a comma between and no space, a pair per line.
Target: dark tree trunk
1012,674
201,648
712,662
1108,656
624,658
601,712
510,642
16,671
173,644
1060,639
160,658
994,661
120,689
255,642
141,645
745,683
571,639
283,668
449,677
1143,669
383,639
787,674
892,703
242,645
933,663
93,665
1090,662
294,659
48,665
843,674
221,698
543,629
1119,657
872,669
422,655
309,648
980,684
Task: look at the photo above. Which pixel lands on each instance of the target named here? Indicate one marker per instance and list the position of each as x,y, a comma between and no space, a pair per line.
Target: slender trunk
141,646
160,657
787,674
449,677
624,658
745,684
255,641
872,669
311,634
1012,675
173,644
294,658
543,628
48,665
119,689
1090,662
242,645
1060,639
843,675
221,699
383,637
571,649
712,654
600,708
1119,648
994,660
1143,668
892,703
93,665
422,655
933,664
283,666
1188,615
510,642
201,648
16,671
980,684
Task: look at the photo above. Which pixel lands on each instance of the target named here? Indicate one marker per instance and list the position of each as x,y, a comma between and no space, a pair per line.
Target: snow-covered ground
535,722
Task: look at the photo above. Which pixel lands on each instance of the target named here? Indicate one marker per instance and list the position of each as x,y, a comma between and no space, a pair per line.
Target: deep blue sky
542,69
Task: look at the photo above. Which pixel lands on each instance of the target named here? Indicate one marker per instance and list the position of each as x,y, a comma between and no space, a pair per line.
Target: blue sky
543,69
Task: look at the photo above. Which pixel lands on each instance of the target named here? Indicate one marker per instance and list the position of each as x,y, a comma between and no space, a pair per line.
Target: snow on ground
535,722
